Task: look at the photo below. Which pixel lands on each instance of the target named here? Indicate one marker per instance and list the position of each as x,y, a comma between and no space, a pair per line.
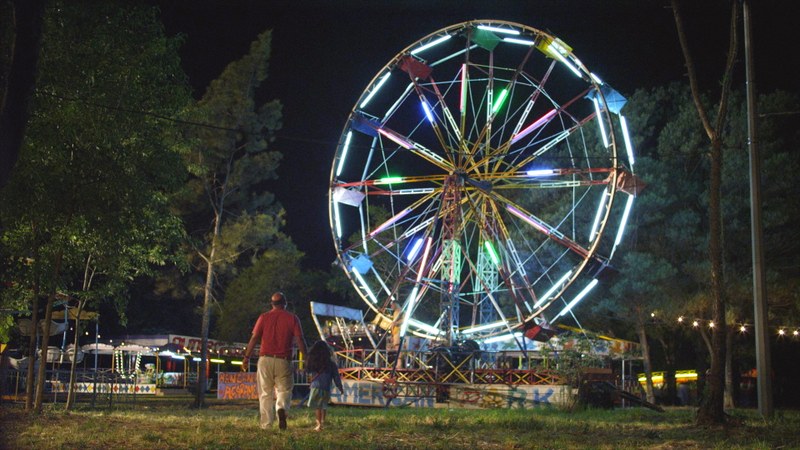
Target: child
325,370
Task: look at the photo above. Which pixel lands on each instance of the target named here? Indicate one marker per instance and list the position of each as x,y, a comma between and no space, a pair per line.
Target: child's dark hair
319,357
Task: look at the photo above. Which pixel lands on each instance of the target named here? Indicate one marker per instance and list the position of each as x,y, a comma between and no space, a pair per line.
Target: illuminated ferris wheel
477,183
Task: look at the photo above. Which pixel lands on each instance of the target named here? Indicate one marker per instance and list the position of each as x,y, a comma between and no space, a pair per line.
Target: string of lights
743,327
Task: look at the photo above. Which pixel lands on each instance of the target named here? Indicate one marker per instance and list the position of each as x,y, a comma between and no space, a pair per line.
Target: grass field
172,424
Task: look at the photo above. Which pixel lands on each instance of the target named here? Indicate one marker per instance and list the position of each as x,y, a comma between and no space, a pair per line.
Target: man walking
276,330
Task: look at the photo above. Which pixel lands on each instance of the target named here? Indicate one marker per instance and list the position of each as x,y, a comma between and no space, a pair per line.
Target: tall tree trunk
29,385
48,318
71,390
88,276
207,299
711,408
28,16
729,402
648,367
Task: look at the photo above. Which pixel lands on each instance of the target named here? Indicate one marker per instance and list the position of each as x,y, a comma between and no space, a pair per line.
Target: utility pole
763,360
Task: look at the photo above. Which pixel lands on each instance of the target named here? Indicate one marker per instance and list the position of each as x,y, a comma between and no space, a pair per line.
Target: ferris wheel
481,183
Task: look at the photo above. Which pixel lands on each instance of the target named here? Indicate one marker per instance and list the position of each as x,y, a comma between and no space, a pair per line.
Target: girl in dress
325,373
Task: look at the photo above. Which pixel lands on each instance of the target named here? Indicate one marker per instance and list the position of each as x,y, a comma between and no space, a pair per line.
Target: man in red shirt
275,330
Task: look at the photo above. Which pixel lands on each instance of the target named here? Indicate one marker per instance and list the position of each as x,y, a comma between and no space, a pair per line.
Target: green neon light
389,180
492,253
500,99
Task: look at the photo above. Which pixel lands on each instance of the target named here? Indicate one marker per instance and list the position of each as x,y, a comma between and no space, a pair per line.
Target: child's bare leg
320,418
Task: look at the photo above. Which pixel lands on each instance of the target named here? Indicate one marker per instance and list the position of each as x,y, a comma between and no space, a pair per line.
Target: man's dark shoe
282,419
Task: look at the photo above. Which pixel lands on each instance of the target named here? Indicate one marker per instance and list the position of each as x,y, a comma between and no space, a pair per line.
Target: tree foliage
86,209
230,215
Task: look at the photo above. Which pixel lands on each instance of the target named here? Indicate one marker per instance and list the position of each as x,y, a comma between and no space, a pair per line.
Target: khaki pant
275,385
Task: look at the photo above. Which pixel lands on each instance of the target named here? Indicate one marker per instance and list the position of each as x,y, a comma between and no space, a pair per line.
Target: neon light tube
428,243
505,337
415,247
600,207
528,219
217,361
424,326
391,220
463,88
492,253
428,112
596,78
484,327
337,220
498,29
560,52
600,122
628,146
578,298
345,147
237,363
196,359
389,180
364,285
177,356
624,220
430,44
540,173
396,139
500,99
552,290
532,127
519,41
409,307
375,90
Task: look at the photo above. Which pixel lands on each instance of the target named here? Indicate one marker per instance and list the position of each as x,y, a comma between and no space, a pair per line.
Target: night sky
325,53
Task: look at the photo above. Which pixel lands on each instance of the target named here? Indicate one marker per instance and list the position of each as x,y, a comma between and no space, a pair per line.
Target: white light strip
430,44
596,78
623,222
600,121
578,298
560,53
424,327
415,247
345,147
364,285
498,29
600,208
552,290
428,112
502,338
409,306
519,41
484,327
540,173
463,103
337,220
628,146
375,90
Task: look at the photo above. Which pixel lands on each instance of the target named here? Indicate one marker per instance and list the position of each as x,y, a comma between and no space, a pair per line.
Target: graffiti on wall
237,386
368,393
502,396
